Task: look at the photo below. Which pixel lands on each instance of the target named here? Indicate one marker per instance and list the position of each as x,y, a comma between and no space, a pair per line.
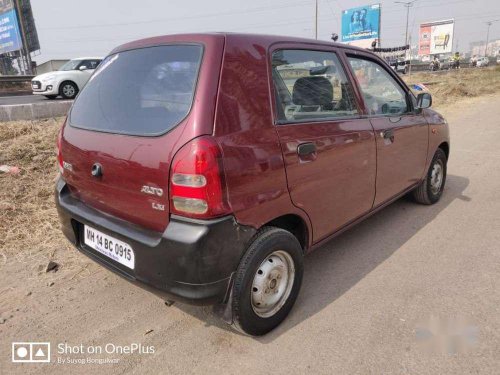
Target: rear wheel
68,90
431,188
267,281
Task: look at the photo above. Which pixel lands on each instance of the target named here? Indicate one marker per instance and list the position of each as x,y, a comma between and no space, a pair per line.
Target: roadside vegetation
28,218
447,87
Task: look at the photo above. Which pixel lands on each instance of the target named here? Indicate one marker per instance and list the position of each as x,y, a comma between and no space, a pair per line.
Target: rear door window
310,85
144,92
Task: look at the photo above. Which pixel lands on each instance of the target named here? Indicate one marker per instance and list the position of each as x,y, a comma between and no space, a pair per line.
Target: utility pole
407,5
316,22
489,23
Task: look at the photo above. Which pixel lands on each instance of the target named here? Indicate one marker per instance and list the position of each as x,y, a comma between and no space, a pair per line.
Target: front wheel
267,281
431,188
68,90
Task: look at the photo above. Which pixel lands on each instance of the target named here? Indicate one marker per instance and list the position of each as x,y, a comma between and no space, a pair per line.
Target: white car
482,61
68,80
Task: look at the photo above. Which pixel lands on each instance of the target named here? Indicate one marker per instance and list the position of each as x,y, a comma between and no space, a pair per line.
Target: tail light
197,186
59,152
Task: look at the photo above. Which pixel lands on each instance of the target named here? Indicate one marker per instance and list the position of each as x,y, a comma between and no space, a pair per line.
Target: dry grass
449,86
28,218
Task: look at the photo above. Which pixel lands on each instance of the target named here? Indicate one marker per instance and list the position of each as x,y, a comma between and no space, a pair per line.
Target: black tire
426,193
51,97
68,90
266,242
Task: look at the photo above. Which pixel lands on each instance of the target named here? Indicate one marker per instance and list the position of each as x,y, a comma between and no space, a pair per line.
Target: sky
69,29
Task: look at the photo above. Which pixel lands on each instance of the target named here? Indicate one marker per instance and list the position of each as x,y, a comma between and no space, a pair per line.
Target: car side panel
79,77
401,158
337,184
244,129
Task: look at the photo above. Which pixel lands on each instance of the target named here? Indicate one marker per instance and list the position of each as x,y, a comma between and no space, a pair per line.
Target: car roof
87,58
262,39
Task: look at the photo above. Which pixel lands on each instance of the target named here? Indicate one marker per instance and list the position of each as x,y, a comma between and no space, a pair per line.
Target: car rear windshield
144,92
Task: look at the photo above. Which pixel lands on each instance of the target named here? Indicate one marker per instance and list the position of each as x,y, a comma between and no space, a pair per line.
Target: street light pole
489,23
407,5
316,22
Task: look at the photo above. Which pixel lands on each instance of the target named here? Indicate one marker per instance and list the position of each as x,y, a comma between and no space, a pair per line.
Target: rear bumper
192,261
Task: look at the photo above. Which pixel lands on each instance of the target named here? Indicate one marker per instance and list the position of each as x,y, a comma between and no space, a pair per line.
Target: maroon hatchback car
203,167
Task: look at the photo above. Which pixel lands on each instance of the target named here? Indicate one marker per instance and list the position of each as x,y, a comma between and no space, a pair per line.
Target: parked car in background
400,65
482,62
203,167
68,80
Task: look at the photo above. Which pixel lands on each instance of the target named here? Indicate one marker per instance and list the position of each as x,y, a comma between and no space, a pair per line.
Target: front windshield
70,65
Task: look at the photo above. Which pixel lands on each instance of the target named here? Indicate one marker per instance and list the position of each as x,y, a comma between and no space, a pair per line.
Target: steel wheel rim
437,175
272,283
68,90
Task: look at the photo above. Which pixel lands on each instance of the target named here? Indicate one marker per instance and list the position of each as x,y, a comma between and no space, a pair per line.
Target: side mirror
424,100
83,67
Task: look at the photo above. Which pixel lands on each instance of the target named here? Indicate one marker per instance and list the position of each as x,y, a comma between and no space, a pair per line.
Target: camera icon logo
31,352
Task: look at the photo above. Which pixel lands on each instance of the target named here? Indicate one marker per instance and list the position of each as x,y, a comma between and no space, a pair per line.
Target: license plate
117,250
35,86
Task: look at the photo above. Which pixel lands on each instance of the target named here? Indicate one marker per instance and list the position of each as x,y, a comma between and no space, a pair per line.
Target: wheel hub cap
436,178
272,283
69,90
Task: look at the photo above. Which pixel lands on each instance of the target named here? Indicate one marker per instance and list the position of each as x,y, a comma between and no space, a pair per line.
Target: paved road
23,99
412,290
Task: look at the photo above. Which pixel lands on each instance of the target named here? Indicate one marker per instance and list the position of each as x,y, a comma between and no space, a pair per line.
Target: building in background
478,48
361,25
50,66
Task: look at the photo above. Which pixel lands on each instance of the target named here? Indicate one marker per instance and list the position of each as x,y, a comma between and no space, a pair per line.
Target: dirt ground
412,290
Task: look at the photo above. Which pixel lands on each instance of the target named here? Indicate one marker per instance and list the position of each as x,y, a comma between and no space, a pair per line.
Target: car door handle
387,134
305,149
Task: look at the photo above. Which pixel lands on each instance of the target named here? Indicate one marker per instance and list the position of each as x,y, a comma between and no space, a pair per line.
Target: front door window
381,93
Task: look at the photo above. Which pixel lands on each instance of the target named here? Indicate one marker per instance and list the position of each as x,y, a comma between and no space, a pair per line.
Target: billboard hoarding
361,24
436,37
28,21
10,38
424,40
